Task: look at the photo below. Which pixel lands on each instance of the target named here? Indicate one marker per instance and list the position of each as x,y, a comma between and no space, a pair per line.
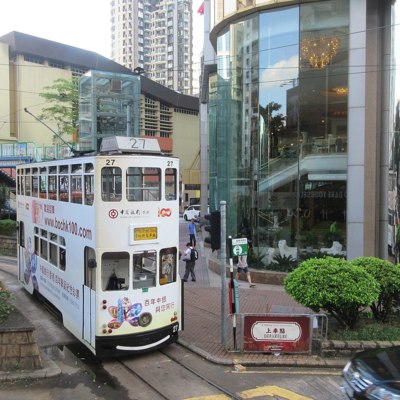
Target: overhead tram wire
76,153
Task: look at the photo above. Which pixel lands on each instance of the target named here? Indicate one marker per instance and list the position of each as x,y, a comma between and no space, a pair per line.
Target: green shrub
7,227
283,263
388,277
333,285
254,259
319,254
369,330
5,306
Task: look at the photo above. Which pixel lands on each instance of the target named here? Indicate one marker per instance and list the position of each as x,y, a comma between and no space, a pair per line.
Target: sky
80,23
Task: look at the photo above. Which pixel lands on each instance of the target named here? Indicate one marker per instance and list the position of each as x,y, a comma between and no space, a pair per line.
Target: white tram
98,239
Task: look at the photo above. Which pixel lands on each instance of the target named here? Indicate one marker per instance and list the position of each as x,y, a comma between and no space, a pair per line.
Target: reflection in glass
278,129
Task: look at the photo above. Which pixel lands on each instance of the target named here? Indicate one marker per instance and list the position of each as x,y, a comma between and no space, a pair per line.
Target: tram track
167,366
202,376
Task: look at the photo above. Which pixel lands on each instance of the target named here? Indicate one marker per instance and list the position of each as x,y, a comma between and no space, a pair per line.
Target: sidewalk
202,324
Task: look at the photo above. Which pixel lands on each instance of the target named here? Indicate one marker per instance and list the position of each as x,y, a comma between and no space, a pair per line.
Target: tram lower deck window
168,262
115,270
144,269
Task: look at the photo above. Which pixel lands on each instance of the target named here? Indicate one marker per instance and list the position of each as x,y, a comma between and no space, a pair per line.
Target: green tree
275,124
64,109
4,195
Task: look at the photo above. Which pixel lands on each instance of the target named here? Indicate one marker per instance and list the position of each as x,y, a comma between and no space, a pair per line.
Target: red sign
277,334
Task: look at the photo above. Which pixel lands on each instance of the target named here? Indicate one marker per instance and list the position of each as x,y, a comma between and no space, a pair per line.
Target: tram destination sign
145,233
122,144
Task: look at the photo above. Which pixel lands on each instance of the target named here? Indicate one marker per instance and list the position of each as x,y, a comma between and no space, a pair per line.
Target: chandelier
319,51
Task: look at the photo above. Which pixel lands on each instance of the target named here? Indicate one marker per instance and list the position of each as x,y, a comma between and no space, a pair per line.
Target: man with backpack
190,256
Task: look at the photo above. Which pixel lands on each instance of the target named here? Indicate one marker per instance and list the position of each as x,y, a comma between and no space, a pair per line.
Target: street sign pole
222,206
232,289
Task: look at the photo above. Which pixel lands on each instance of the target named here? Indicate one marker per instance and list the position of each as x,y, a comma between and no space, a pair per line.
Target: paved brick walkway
203,321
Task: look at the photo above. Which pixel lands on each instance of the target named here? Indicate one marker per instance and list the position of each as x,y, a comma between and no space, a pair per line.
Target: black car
373,374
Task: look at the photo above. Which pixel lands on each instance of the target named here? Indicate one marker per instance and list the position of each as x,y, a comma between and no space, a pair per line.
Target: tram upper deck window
170,184
76,168
43,183
52,183
35,182
111,184
76,183
63,183
89,184
143,184
76,189
28,182
115,270
144,269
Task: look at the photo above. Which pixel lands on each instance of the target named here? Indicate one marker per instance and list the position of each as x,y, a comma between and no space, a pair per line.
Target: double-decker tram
98,239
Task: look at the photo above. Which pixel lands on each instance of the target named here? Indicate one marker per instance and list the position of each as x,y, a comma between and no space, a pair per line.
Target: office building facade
304,125
155,36
29,64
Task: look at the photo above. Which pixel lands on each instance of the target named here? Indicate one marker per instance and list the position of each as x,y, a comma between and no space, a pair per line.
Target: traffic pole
232,289
222,207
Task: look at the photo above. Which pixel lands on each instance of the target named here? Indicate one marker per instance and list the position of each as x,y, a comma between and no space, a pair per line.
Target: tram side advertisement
54,281
123,313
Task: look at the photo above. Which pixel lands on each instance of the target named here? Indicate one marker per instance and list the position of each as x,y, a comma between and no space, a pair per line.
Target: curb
49,370
285,360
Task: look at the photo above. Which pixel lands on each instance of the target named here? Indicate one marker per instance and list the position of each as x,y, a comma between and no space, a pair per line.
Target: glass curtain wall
109,104
279,142
278,129
234,125
323,95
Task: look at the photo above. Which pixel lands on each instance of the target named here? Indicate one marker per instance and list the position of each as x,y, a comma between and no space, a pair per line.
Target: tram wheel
145,319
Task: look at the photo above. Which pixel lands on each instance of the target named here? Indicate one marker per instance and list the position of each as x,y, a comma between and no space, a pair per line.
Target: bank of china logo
164,212
113,213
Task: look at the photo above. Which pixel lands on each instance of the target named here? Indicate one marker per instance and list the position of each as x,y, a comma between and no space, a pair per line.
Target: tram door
21,251
89,297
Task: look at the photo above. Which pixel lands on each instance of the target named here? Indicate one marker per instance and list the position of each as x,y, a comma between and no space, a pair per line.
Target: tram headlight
175,317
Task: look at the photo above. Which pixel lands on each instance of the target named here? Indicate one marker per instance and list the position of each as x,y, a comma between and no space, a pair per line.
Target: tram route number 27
112,161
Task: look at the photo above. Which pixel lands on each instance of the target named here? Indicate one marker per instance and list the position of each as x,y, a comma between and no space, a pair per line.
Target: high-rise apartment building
155,35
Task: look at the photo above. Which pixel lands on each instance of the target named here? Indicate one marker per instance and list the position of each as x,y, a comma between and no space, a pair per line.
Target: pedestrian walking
243,267
189,257
192,232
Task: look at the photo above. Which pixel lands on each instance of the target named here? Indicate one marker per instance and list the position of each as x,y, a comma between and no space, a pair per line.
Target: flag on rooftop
201,9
